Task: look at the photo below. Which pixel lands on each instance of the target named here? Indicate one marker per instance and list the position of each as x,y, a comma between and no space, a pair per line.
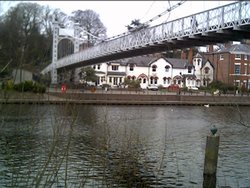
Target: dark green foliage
132,83
29,86
88,74
224,88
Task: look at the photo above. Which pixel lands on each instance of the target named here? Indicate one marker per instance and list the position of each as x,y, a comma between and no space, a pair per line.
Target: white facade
204,71
155,71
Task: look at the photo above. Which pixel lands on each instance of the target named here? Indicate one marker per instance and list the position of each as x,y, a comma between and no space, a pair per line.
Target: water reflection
120,146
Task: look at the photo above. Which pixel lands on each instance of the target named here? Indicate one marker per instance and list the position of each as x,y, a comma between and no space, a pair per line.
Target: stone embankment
127,99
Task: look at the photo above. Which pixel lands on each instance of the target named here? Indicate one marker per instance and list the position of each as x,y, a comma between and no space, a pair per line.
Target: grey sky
115,15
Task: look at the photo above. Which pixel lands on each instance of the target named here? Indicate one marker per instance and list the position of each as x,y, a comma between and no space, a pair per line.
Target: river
120,146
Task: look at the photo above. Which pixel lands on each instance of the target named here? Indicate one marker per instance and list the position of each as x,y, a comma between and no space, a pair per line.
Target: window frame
131,67
167,67
114,67
237,58
154,67
237,69
221,57
206,70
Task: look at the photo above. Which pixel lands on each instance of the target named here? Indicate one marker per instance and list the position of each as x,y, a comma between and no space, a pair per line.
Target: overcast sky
115,15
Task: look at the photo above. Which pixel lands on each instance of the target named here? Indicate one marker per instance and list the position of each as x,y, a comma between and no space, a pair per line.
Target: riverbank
132,98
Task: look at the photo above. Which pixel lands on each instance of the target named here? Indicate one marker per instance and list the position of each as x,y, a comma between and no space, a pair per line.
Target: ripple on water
148,146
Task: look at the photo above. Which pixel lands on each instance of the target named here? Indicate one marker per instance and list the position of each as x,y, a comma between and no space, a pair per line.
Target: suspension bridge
218,25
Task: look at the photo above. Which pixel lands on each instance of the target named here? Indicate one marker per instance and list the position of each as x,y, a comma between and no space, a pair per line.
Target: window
167,68
236,69
144,80
245,71
98,66
198,62
131,67
237,83
221,56
164,80
154,68
245,57
94,67
206,70
110,79
237,57
168,81
151,80
115,81
115,67
189,69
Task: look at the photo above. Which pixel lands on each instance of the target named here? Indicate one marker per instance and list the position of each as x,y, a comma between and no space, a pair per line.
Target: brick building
232,64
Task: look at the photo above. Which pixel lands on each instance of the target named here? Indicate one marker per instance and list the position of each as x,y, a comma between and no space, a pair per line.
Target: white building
204,70
151,70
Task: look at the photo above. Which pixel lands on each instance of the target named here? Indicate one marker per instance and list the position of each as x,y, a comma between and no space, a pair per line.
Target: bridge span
225,23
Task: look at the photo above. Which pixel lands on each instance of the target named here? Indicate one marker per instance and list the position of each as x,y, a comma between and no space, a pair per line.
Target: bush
224,88
38,88
30,86
8,85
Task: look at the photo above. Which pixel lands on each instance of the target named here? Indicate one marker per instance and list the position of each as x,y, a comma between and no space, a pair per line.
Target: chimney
157,55
210,48
190,55
183,55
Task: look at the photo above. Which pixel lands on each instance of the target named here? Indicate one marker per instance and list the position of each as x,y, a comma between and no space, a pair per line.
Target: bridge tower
54,50
56,39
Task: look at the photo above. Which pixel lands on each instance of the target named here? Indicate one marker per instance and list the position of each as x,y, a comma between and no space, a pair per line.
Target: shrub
30,86
224,88
8,85
38,88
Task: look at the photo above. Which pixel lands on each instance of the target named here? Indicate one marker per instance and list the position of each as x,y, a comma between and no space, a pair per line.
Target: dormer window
206,70
154,68
131,67
114,67
167,68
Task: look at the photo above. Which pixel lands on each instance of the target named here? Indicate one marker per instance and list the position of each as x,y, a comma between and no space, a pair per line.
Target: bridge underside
201,39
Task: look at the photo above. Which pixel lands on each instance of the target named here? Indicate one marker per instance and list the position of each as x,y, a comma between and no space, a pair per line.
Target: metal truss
231,16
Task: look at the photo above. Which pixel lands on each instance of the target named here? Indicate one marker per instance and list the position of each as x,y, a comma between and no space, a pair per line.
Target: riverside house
156,70
232,64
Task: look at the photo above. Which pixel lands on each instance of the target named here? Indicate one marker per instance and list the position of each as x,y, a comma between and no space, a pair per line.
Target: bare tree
91,23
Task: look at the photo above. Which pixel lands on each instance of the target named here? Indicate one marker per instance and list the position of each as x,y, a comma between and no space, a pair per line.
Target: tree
88,74
91,23
132,83
23,36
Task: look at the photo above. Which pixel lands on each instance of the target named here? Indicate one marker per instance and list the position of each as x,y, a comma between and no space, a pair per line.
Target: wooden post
210,164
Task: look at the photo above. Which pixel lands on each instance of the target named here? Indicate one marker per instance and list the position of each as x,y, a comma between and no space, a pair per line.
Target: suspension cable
145,24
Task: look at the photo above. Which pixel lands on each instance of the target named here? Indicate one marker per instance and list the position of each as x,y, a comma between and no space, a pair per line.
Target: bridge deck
226,23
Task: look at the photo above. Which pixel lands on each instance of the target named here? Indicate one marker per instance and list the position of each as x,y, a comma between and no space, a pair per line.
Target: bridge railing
227,16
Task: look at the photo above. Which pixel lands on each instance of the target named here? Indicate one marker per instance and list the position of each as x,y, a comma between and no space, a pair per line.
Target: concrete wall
21,76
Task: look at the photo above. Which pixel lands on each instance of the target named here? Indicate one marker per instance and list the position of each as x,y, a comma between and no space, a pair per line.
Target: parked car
152,87
173,87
